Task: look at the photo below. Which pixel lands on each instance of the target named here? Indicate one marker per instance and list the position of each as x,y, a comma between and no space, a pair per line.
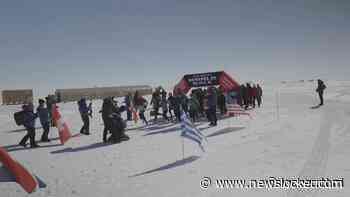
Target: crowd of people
249,95
199,104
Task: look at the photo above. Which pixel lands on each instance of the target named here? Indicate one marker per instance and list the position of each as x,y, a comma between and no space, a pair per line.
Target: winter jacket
171,101
29,119
259,93
212,99
155,100
43,114
254,92
221,99
141,104
321,87
193,104
83,108
164,104
127,100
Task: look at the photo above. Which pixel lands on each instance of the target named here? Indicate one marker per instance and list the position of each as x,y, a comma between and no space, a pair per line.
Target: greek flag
189,131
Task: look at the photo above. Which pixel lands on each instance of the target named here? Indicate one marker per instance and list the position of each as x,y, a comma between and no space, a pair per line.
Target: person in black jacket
155,101
118,125
320,89
29,124
84,113
171,102
259,94
43,114
113,123
106,117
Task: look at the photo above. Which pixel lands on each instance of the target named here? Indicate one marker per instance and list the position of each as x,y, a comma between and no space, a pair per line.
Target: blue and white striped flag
190,131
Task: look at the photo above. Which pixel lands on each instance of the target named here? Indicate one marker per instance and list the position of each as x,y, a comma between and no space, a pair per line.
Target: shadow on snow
82,148
225,131
13,148
178,163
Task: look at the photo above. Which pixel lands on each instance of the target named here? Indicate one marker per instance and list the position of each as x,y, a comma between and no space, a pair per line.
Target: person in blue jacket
29,124
43,114
84,113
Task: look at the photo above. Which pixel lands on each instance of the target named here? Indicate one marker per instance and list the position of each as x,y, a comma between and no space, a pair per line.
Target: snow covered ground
299,142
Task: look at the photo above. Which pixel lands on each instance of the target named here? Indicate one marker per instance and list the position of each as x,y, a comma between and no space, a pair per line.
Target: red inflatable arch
221,78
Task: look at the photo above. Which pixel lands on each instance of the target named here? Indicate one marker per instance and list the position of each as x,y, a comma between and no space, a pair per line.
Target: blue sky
83,43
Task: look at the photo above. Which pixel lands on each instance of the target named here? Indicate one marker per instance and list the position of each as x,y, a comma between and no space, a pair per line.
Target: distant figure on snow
320,89
259,94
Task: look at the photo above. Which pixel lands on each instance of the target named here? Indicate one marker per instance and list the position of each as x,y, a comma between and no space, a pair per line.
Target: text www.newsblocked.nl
273,183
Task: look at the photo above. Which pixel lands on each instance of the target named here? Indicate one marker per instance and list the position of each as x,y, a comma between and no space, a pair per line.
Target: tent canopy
221,78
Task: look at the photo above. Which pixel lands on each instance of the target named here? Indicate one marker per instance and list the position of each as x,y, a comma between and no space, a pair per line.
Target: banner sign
203,79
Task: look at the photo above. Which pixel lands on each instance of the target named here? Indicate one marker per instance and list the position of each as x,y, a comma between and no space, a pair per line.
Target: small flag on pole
190,132
61,125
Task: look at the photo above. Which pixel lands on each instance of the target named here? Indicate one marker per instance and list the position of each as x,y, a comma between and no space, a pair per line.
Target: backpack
19,118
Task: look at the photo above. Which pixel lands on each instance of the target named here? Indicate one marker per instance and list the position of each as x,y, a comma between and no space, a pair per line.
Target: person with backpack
43,114
29,123
320,89
84,113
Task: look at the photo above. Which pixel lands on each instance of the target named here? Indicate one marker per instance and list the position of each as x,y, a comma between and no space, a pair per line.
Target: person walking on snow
29,124
43,114
141,103
84,113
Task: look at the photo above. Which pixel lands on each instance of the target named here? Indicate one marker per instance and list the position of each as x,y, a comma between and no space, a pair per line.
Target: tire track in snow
316,163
